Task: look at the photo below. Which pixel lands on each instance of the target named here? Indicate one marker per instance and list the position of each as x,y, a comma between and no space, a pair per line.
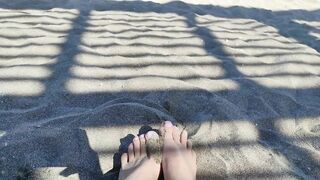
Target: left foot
136,164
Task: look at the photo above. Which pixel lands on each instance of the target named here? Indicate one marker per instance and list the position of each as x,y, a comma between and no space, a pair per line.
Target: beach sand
78,79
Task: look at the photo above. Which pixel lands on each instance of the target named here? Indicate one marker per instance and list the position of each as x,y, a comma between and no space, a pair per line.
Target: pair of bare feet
178,158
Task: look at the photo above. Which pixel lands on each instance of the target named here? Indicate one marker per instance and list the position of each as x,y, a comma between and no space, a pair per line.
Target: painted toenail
135,138
168,124
141,136
151,134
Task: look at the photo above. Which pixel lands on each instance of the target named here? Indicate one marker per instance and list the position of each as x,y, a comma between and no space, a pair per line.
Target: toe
151,135
167,128
130,152
176,134
184,138
136,147
124,159
153,146
189,147
161,129
143,151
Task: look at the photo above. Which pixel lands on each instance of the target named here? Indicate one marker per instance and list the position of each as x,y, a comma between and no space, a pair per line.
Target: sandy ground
79,78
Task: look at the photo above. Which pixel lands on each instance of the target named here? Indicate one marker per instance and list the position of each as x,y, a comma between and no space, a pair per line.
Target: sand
78,79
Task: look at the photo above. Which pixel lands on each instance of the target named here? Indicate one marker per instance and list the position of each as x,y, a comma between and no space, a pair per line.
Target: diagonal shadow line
65,60
231,72
69,49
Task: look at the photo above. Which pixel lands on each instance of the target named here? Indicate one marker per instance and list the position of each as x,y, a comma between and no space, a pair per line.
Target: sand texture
79,78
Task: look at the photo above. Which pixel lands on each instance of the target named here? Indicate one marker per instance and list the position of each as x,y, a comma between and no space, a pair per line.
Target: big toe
153,146
166,130
152,135
176,134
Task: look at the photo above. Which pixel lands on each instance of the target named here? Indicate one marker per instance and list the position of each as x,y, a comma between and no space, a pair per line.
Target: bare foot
178,160
136,164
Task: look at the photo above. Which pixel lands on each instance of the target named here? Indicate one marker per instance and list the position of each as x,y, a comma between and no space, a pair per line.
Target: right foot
178,159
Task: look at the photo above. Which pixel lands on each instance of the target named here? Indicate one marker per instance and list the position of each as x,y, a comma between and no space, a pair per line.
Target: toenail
151,134
141,136
135,138
147,135
168,124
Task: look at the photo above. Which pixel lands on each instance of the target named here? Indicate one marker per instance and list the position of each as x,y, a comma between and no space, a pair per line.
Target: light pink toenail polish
135,138
168,124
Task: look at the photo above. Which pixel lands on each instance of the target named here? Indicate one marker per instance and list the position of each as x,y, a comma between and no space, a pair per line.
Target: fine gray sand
79,78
